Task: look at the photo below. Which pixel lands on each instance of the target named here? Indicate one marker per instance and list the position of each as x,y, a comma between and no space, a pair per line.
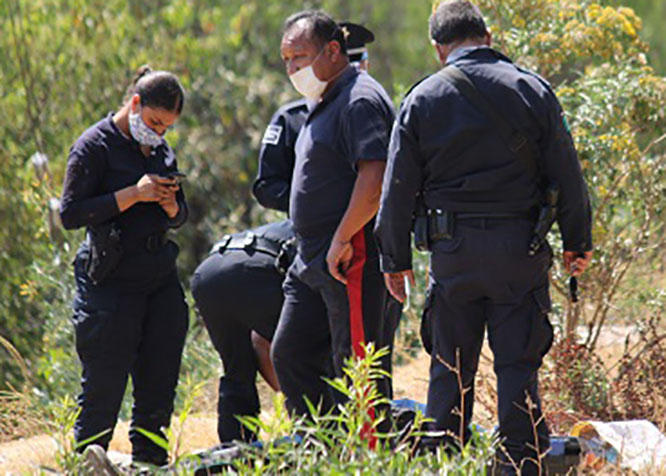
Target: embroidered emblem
169,158
272,135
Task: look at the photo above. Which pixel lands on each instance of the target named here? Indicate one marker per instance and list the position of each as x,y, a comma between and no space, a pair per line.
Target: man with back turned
482,188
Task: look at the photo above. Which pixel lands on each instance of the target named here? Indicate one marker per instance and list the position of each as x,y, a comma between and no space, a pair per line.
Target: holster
286,255
105,251
431,226
440,225
420,225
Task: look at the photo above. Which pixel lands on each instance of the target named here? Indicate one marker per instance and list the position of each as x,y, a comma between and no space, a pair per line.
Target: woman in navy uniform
130,314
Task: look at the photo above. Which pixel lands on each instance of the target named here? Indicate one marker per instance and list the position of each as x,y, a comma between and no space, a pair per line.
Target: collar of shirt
345,77
115,136
465,51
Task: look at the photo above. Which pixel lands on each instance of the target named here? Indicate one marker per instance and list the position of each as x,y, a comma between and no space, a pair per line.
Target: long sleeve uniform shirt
276,157
450,151
102,161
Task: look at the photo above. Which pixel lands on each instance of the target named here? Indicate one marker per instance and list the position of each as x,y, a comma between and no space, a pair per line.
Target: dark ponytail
158,89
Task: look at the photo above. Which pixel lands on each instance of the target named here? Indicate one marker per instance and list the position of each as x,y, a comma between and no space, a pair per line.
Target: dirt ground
199,431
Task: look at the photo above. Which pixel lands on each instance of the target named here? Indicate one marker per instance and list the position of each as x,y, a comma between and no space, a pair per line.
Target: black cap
356,36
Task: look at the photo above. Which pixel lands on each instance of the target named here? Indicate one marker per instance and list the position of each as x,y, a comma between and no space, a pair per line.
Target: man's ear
442,51
334,50
488,39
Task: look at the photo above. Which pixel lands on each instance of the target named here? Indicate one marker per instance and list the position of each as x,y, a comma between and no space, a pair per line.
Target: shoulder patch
272,135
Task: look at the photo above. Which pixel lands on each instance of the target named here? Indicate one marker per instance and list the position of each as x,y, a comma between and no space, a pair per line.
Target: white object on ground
639,443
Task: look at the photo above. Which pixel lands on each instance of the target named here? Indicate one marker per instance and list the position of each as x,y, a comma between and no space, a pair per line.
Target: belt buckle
154,242
221,245
249,240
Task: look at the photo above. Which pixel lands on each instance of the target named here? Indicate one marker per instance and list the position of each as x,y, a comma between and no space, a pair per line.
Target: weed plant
341,442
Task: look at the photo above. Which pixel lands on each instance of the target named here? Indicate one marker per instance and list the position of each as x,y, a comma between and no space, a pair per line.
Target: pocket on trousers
89,328
427,319
542,298
447,245
93,310
541,332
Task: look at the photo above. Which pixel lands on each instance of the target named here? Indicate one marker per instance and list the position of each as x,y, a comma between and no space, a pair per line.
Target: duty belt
439,224
283,253
531,214
248,242
150,243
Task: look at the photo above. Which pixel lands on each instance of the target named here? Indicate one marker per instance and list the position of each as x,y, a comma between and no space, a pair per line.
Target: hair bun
141,72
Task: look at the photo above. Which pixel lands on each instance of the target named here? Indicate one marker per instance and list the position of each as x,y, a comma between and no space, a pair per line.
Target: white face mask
307,83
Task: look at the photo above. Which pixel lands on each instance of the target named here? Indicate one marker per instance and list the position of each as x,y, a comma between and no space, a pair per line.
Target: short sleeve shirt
351,123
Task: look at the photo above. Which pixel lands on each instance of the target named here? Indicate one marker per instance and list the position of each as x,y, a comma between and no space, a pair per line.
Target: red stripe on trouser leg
355,294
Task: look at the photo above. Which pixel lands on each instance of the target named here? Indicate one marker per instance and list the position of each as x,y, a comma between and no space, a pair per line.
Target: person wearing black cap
242,325
357,36
481,172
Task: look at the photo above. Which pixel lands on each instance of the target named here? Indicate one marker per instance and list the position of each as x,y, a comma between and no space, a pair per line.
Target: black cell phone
176,175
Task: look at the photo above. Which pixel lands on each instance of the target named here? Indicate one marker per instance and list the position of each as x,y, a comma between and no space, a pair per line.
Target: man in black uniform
482,200
238,291
241,322
276,165
334,295
276,157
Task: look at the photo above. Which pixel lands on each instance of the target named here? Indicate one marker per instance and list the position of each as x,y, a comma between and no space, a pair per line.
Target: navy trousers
121,333
483,280
237,292
323,322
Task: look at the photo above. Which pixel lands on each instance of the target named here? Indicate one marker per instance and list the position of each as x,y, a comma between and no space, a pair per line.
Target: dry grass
18,416
410,381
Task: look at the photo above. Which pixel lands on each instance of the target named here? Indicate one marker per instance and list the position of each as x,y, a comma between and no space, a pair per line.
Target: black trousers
121,333
323,322
483,279
238,292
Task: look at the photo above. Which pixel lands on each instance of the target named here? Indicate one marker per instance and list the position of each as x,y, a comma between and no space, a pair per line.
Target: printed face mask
306,82
143,134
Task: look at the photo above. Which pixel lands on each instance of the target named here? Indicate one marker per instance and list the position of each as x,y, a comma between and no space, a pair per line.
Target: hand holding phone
175,175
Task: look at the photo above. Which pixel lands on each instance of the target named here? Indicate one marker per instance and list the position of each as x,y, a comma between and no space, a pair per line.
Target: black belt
531,214
441,224
248,242
151,243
